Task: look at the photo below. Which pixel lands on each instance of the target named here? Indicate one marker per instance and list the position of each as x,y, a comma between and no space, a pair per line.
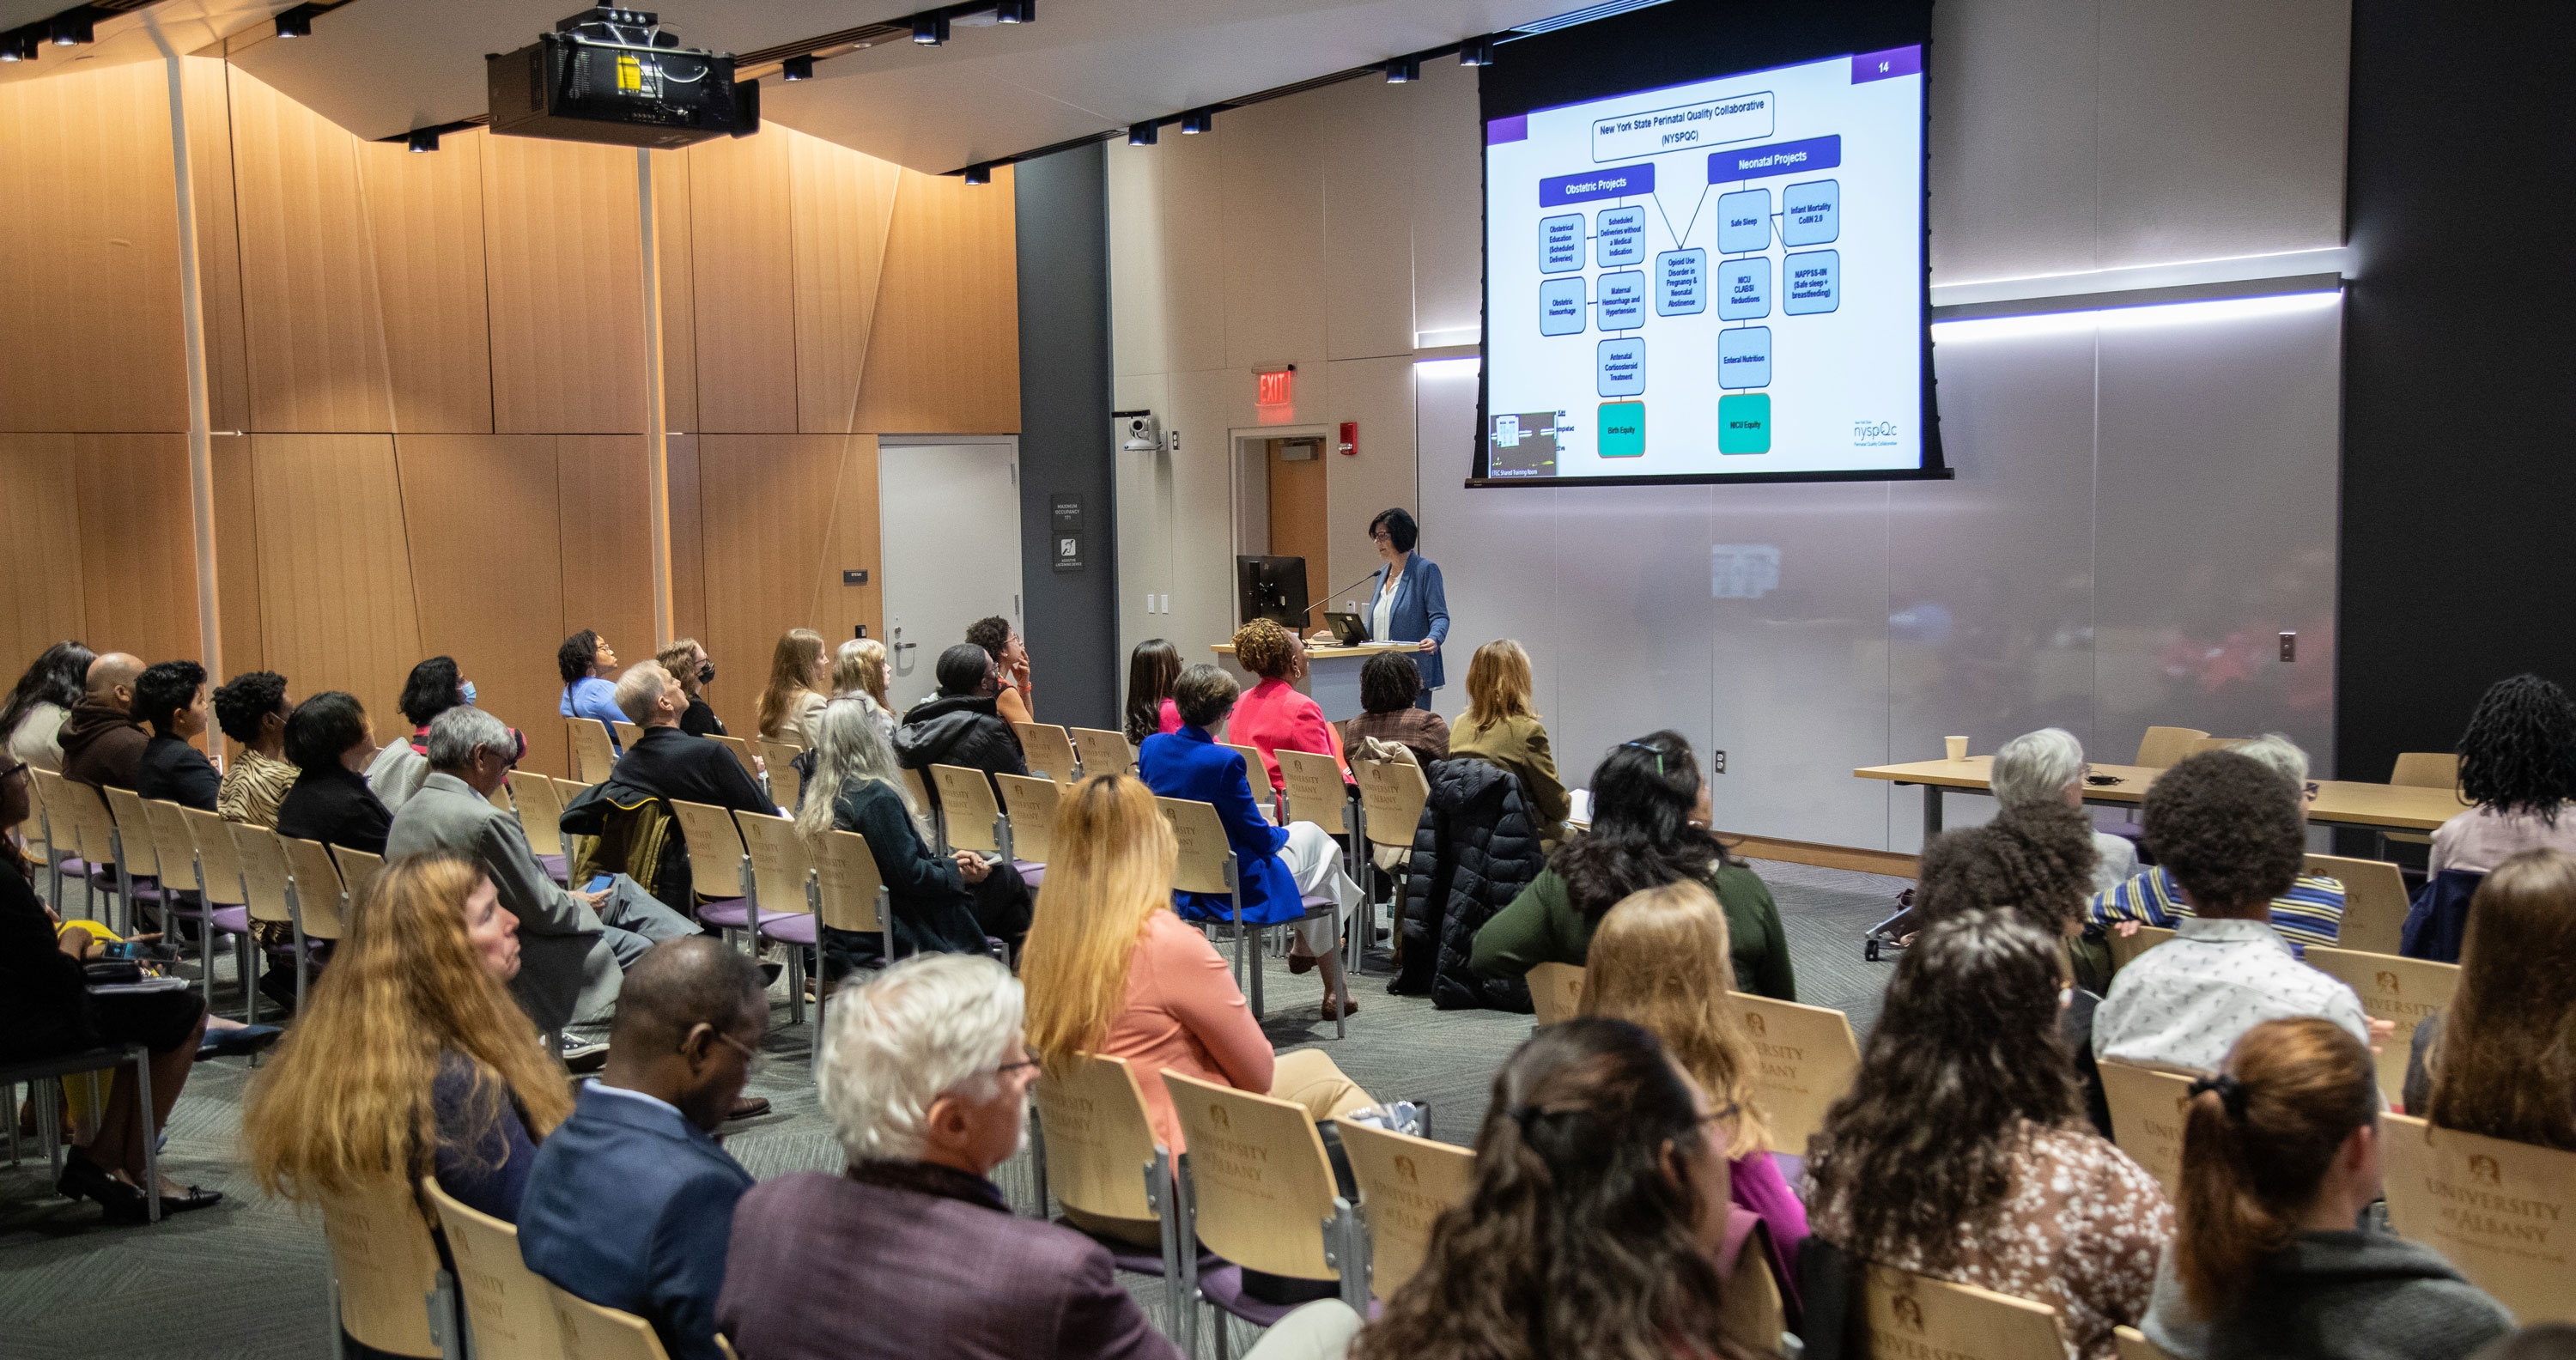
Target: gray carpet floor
248,1277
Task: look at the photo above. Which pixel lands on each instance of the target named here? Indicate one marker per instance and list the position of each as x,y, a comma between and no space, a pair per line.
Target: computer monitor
1271,588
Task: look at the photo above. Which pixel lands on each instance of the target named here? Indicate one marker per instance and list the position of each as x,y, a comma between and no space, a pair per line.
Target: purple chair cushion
557,867
731,913
1136,1260
1313,903
1031,874
233,920
796,929
146,889
1223,1288
73,866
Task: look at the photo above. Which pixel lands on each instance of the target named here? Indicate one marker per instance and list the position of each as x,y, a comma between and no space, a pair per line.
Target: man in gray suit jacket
571,944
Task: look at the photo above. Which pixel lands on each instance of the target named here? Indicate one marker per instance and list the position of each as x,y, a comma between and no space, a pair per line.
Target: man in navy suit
630,1203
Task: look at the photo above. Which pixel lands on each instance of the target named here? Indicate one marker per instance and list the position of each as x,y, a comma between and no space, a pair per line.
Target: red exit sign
1271,389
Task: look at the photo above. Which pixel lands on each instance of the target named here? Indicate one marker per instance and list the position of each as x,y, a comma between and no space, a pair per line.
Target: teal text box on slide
1744,423
1623,429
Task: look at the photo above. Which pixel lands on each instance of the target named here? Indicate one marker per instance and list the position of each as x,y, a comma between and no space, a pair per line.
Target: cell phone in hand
598,884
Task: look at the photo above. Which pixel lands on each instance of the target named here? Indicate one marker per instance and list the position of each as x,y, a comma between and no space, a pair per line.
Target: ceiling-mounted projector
614,75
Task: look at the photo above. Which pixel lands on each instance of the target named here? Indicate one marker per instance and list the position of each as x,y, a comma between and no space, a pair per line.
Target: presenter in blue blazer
1407,603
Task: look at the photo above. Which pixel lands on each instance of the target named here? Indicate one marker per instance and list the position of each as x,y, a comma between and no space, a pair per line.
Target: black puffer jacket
1473,852
957,729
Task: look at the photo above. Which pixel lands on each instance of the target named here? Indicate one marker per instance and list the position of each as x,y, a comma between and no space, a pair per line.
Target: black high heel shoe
194,1199
85,1179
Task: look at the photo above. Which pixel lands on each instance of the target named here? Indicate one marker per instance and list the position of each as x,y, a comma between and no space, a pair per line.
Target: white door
949,516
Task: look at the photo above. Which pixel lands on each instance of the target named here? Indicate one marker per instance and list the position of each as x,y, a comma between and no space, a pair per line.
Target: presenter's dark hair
1152,669
432,690
1204,695
164,688
1389,683
1643,794
245,702
322,727
962,669
2519,754
573,659
1401,531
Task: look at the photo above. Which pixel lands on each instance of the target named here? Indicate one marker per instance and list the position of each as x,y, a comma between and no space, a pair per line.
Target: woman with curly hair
2518,765
1501,728
1273,716
585,661
1960,1152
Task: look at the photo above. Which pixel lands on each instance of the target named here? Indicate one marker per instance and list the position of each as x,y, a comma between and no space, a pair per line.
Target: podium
1332,673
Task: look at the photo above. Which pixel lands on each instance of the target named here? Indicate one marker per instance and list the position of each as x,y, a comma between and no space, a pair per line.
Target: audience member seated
856,786
1650,827
2518,765
584,660
798,673
1017,700
252,709
1152,669
1660,960
1273,716
47,1010
31,723
911,1252
1960,1151
1475,850
2280,1161
330,742
1501,728
673,766
170,696
2229,829
411,1055
1111,970
101,741
2047,766
1277,866
432,688
2310,912
689,666
860,668
1596,1219
1389,681
960,725
573,944
631,1202
2499,1063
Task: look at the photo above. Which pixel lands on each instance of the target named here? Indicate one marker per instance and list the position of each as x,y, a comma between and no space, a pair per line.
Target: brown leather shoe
1301,963
748,1107
1333,1011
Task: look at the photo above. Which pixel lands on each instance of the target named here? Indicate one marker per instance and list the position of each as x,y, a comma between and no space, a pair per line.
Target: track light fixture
979,174
20,45
1197,121
1476,52
296,22
797,68
70,30
1403,70
1016,12
1141,134
930,29
421,139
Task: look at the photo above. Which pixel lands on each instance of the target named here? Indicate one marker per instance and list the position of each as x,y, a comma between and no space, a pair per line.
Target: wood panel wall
426,382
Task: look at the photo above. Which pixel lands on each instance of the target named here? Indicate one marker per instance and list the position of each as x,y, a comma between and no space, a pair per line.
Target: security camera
1141,431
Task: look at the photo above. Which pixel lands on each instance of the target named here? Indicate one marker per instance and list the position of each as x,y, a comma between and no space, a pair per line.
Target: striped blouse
2311,912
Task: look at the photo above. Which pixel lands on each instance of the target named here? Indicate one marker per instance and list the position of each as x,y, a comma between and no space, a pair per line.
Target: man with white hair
671,765
912,1253
2311,912
2047,766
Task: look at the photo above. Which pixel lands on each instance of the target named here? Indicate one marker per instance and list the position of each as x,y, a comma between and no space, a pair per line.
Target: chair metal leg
1158,1194
796,978
151,1135
11,1091
49,1121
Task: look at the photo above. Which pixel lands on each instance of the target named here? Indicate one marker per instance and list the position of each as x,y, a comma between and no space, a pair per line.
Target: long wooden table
2340,802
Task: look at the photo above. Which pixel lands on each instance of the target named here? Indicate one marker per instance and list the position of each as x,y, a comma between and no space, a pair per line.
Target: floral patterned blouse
2080,1232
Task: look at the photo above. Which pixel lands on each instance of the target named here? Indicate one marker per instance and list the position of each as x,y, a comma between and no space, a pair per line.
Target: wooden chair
1258,776
591,1332
592,756
970,816
719,867
1094,1148
849,895
1806,1059
2134,1345
2217,744
77,809
1317,792
1392,796
1257,1189
321,895
627,734
2147,1116
220,883
135,852
1207,865
2423,770
358,870
2496,1210
741,752
1911,1316
385,1270
930,811
38,835
782,893
1556,992
509,1312
2125,948
1104,752
182,872
1049,751
2402,991
1404,1183
2162,748
2374,901
540,810
1029,805
780,759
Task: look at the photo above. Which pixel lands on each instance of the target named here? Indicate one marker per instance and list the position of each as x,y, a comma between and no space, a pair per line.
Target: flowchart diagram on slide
1698,271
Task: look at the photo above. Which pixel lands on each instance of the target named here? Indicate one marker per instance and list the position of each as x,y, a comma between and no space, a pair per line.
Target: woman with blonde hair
1111,970
1660,959
411,1059
860,667
798,671
689,664
1500,728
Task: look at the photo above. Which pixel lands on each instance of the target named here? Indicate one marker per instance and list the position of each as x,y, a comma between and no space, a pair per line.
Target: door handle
905,646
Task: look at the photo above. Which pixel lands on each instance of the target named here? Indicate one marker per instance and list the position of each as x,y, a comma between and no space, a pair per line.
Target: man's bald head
680,984
113,673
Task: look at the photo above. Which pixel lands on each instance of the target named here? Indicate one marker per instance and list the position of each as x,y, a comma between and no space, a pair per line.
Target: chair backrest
2147,1116
508,1311
1030,804
540,811
2403,992
215,856
592,756
1914,1315
2134,1345
2426,770
967,806
2496,1210
1404,1183
784,782
358,869
1048,749
172,846
1316,791
1254,771
1260,1183
2216,744
716,853
2162,748
920,792
779,864
1104,752
387,1266
1392,795
318,888
133,831
741,749
1751,1311
2374,901
1204,851
1805,1059
32,830
79,817
1556,991
847,882
2125,948
591,1332
1099,1140
627,734
262,863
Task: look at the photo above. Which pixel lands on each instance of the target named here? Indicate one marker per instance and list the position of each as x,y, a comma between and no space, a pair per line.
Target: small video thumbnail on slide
1717,278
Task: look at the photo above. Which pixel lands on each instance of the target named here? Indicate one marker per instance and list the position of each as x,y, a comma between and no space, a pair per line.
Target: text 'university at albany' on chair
2485,1205
1404,1183
1257,1189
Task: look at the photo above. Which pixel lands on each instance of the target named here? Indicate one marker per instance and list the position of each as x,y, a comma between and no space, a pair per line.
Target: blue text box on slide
1778,158
1743,221
1744,357
1560,243
1681,283
1561,306
1815,282
1623,300
1619,236
1623,367
1744,288
1610,181
1811,214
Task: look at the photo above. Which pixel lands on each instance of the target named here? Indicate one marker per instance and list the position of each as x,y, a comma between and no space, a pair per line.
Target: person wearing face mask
689,665
330,742
631,1202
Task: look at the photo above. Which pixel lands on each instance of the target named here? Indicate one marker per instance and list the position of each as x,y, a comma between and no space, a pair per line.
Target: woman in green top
1500,728
1650,815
